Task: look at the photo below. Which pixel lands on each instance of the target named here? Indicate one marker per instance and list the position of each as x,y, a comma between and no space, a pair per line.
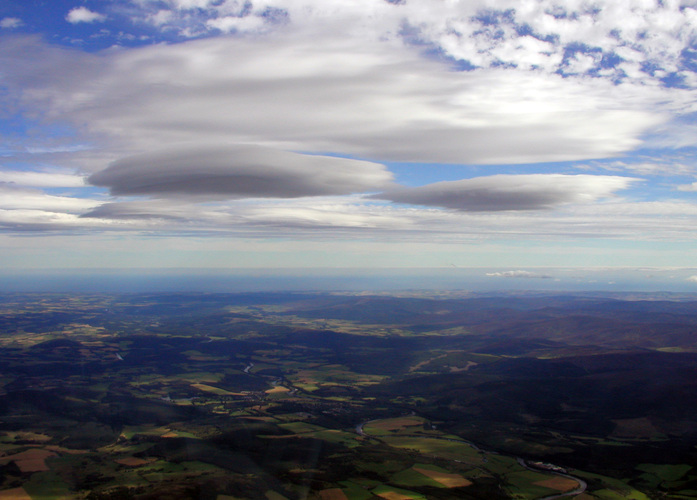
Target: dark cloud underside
239,172
508,192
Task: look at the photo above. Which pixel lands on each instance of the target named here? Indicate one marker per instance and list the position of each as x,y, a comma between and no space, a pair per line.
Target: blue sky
324,133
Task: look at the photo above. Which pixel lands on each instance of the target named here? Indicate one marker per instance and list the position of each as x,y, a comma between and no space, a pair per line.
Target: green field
385,491
150,392
410,477
437,447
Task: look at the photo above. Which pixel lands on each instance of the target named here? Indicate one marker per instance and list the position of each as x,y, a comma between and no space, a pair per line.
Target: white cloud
548,36
680,132
687,187
361,98
509,192
42,179
348,218
66,148
46,221
11,22
191,4
232,24
650,166
84,15
519,274
161,17
693,279
14,198
581,63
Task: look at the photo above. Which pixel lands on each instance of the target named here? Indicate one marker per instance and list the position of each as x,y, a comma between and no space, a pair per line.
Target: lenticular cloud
239,172
509,192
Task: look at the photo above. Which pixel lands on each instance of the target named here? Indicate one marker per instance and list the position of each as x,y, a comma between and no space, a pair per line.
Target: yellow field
213,390
457,369
393,495
134,461
277,389
418,366
332,494
203,357
272,495
26,436
444,478
452,450
332,375
30,460
170,435
69,451
14,494
194,378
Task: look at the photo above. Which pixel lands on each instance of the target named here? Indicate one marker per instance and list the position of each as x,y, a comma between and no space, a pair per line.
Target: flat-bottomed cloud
239,172
509,192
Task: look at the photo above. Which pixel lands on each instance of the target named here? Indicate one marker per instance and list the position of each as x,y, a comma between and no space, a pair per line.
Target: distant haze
349,279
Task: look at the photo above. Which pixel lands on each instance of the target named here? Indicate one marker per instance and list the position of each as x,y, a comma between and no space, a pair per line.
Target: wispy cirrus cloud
687,187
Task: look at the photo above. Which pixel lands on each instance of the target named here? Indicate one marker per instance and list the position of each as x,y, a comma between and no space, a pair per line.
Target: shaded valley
357,396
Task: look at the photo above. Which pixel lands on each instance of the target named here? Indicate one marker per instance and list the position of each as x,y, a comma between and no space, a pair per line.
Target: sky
517,135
